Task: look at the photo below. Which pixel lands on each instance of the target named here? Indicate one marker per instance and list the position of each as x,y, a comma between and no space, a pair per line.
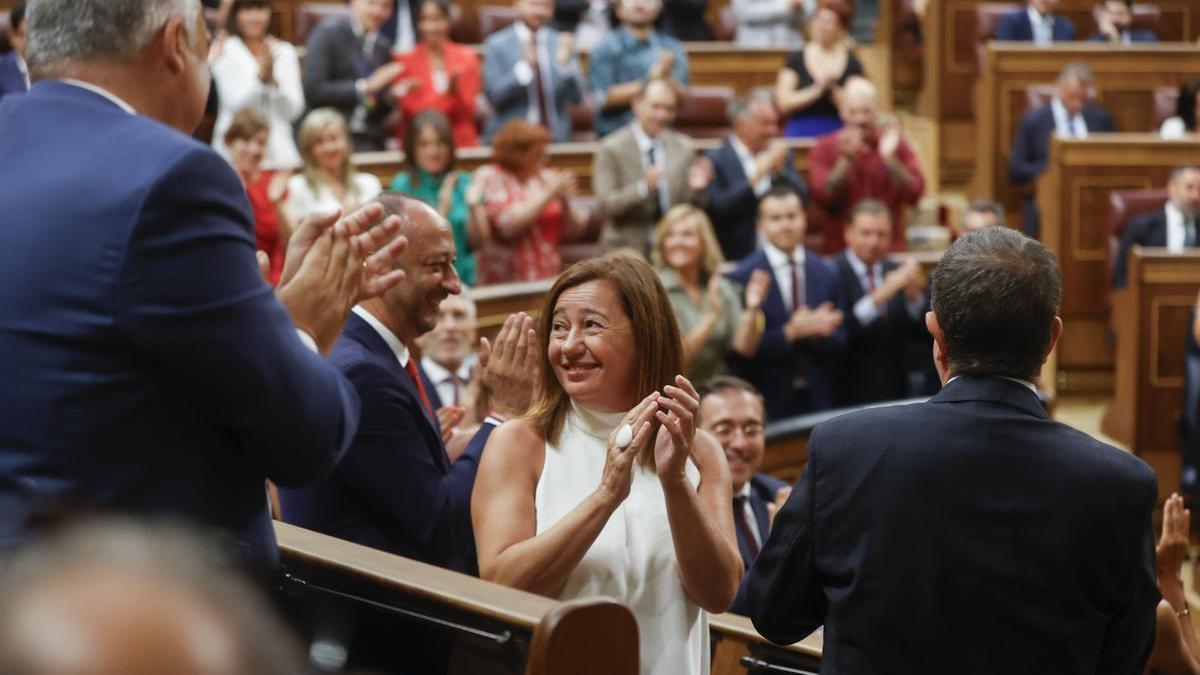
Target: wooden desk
503,630
574,156
1126,79
494,629
950,68
1073,199
1151,317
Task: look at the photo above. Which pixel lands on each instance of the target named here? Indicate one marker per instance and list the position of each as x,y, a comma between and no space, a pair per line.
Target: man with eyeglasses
732,410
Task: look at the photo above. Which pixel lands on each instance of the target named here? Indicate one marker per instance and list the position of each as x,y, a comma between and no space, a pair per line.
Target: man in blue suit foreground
970,533
14,74
396,489
731,409
1069,115
1038,22
803,335
147,366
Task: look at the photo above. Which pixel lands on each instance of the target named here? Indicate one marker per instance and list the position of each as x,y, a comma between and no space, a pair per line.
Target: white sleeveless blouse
633,559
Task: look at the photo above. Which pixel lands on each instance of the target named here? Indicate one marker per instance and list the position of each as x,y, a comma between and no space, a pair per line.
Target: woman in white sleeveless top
561,509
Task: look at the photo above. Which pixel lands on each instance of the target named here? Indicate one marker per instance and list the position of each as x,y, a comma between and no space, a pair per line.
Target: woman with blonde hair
708,306
328,180
606,488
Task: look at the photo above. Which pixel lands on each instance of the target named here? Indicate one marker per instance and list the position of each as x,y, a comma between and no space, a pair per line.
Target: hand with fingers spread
617,477
508,370
677,415
1172,550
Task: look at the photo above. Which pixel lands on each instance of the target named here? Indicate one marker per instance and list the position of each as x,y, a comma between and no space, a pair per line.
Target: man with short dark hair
348,66
980,213
1115,25
1069,115
746,166
644,168
14,74
1173,226
731,409
887,304
970,533
803,334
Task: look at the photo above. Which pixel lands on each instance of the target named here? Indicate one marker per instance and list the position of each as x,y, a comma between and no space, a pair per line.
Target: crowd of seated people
811,81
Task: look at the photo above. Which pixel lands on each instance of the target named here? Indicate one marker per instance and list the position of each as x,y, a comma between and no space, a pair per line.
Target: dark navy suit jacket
1031,151
146,366
12,80
1148,229
763,488
968,534
775,364
874,366
732,204
1015,26
396,489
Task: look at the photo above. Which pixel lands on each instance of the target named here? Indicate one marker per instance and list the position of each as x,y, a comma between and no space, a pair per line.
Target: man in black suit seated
1173,226
970,533
750,161
1069,115
886,302
1116,25
732,410
348,66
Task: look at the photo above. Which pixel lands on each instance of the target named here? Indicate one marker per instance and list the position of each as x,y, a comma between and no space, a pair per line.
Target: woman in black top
810,83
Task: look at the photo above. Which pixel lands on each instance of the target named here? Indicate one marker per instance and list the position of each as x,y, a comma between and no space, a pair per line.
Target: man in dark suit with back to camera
1069,115
1173,226
14,73
803,332
396,490
745,167
970,533
1038,22
886,306
731,409
348,66
148,368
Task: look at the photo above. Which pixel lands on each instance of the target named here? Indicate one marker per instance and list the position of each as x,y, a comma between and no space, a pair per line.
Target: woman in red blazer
439,74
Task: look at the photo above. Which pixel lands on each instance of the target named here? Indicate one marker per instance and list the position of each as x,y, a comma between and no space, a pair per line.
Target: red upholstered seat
704,112
1123,206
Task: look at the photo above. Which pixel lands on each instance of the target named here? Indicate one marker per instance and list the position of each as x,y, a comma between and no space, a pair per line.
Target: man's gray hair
61,32
738,106
1076,71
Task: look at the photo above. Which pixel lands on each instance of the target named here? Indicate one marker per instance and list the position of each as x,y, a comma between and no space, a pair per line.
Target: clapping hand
756,289
662,67
808,323
850,142
1172,549
508,371
700,174
617,476
677,415
382,77
716,304
889,139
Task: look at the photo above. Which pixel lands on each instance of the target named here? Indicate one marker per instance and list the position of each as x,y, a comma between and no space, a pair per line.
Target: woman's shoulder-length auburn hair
659,346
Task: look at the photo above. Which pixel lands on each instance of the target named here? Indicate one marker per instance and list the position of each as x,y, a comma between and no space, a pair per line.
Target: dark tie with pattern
743,525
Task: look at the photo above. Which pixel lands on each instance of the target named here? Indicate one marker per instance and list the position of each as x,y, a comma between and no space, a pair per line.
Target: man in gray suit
348,66
644,168
529,73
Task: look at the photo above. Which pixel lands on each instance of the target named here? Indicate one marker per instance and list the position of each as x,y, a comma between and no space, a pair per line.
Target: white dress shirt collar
782,271
779,258
1176,235
1043,26
860,267
1024,383
388,336
523,32
101,91
643,139
1062,121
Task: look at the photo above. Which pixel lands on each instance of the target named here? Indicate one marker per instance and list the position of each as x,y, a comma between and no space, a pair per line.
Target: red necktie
411,367
743,524
870,278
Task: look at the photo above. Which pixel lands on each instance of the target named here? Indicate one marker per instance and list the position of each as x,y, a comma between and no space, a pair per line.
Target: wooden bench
1127,83
1151,319
1073,198
950,68
502,630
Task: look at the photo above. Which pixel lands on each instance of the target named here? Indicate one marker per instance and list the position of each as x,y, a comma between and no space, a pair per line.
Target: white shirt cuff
307,340
865,310
360,86
523,72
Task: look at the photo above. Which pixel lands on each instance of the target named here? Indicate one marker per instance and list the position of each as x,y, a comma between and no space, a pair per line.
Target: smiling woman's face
592,349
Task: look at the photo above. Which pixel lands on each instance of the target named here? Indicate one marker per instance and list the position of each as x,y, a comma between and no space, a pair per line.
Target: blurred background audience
438,74
328,179
811,80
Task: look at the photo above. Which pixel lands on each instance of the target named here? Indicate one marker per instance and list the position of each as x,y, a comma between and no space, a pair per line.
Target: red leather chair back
309,14
582,121
703,113
5,31
1123,206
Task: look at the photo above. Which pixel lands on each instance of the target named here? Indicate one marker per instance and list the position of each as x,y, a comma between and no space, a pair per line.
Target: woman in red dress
525,207
246,139
439,74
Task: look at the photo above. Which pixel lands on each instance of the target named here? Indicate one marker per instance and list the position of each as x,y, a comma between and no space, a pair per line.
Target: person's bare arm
789,97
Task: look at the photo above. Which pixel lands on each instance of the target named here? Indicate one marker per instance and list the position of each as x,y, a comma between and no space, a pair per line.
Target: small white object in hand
624,436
